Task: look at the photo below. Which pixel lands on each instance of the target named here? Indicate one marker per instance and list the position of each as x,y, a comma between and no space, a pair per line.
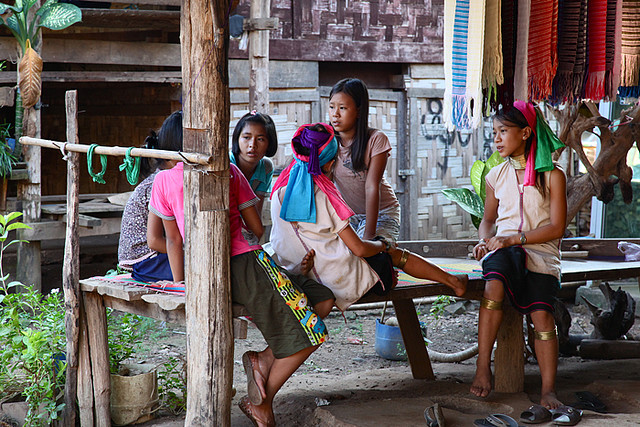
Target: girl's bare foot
459,284
307,262
549,400
481,385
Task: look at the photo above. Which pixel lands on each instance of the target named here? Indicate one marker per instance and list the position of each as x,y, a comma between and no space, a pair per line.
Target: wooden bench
93,372
93,369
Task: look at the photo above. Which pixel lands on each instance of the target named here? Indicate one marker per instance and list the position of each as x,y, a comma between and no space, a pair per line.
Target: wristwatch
523,238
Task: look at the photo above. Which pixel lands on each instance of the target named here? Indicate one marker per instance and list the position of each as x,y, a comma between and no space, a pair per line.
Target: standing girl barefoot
362,159
524,219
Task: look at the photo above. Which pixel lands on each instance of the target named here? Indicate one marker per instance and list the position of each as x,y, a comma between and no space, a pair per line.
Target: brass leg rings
490,304
403,259
547,335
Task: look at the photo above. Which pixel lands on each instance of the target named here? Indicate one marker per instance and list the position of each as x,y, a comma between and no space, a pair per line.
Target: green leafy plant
172,385
33,335
125,337
7,159
468,200
438,307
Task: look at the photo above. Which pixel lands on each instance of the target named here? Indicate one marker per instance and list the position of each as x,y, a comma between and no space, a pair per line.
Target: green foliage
468,200
172,386
7,159
125,337
438,307
25,26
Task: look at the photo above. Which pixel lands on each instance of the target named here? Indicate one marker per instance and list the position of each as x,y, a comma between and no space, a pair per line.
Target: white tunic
524,209
348,276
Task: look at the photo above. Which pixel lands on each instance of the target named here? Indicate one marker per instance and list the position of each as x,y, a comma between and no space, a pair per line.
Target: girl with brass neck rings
524,219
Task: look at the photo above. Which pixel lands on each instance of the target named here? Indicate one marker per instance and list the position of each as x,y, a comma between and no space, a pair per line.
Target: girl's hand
499,242
480,250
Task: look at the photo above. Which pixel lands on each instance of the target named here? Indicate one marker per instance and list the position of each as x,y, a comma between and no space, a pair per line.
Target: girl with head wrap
309,216
524,218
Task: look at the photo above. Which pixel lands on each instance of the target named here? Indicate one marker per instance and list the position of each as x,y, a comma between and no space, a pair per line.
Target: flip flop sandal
250,362
434,416
496,420
566,416
536,414
590,402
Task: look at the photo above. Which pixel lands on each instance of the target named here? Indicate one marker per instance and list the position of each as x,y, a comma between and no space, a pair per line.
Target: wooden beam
167,20
71,266
9,77
349,51
54,230
259,56
101,52
205,46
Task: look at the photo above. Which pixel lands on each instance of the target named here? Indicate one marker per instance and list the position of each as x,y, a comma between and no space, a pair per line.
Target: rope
97,177
131,166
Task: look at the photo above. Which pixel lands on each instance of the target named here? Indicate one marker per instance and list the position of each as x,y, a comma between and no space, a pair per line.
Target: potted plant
134,387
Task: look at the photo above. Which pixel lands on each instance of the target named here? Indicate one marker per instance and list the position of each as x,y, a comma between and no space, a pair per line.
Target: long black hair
357,90
168,137
510,115
269,127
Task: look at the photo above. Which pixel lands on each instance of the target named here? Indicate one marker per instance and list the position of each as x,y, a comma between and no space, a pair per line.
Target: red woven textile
597,16
543,48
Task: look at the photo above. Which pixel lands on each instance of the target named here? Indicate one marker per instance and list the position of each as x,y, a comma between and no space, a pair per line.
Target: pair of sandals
562,416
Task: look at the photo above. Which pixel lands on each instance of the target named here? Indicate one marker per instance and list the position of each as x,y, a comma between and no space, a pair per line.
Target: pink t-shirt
167,201
351,184
167,196
241,196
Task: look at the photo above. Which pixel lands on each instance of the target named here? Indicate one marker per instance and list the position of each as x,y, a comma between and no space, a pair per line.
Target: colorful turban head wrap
543,144
304,173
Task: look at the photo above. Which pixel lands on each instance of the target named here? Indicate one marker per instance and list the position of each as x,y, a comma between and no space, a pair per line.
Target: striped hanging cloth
596,44
617,53
508,30
630,64
464,42
568,26
492,74
520,77
580,65
542,48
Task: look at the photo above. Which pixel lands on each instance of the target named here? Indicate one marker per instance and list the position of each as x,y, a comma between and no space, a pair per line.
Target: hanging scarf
508,30
520,76
463,43
568,27
492,74
610,47
617,53
542,60
580,66
543,143
303,174
630,68
597,17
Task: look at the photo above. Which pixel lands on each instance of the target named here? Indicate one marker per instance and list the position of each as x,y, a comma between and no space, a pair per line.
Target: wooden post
509,355
204,49
85,380
28,268
259,58
71,267
96,315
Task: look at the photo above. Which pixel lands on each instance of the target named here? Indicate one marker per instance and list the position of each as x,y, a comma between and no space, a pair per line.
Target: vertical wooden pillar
509,355
29,259
96,315
204,43
259,58
71,267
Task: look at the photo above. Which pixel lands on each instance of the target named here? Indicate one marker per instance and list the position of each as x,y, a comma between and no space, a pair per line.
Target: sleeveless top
524,209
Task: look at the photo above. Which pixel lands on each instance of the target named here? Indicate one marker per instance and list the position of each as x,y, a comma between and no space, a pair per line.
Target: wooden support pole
259,58
509,355
85,380
413,341
96,315
200,159
28,270
71,266
205,43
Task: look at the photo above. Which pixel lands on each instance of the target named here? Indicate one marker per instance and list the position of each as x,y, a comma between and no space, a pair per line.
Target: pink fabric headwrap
528,110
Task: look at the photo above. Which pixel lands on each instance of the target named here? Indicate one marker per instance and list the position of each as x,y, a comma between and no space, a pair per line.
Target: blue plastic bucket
389,344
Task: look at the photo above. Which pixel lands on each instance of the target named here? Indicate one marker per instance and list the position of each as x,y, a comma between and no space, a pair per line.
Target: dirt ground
345,383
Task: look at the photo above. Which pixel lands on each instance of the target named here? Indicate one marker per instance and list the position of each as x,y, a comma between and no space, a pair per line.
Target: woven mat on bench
178,288
472,270
126,279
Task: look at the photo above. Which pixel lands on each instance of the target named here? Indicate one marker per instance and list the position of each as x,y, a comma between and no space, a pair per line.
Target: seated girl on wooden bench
287,308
